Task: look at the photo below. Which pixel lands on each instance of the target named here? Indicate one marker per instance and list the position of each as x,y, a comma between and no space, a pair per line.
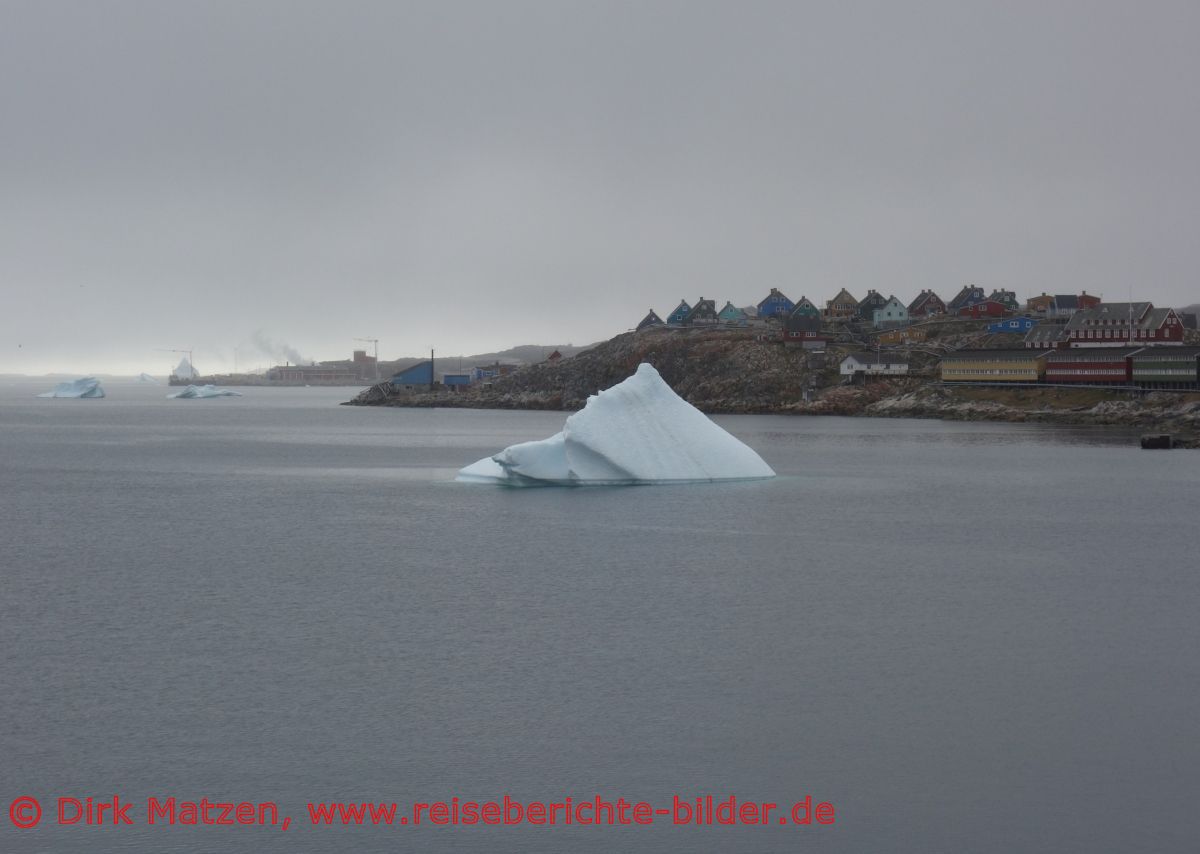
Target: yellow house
908,335
994,366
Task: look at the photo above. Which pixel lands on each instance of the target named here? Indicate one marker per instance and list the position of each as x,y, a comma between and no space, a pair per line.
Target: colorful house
775,305
877,364
806,307
732,314
967,296
1122,324
1008,299
704,312
651,319
991,366
676,317
841,307
891,313
487,373
1043,304
926,304
904,335
1166,367
986,308
868,304
1013,324
801,329
1103,365
1061,305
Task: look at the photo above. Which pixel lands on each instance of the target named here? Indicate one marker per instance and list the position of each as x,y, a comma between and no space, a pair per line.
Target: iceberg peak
638,431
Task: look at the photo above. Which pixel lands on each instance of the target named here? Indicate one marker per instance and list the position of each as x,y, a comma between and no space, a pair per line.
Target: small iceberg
84,387
146,378
200,392
638,431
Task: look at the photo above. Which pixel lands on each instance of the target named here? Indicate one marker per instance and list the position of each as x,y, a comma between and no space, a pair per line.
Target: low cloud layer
468,176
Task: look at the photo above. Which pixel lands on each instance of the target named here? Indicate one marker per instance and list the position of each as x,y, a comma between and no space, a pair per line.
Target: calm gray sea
967,637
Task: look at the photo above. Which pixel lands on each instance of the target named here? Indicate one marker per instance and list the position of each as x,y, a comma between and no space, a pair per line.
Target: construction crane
191,364
374,341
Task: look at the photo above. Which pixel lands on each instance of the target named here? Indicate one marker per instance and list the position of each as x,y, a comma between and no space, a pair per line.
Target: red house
986,308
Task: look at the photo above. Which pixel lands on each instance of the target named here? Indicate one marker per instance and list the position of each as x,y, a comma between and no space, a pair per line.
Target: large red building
1090,365
1121,324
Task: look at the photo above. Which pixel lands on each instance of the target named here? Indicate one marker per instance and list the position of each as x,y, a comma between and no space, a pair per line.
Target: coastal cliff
751,371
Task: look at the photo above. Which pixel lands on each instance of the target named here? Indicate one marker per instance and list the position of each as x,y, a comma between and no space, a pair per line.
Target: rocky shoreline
739,371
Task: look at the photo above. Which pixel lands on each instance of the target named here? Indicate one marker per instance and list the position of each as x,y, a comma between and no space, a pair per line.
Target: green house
731,314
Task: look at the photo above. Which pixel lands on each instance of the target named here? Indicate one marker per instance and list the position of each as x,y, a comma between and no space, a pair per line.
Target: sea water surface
967,637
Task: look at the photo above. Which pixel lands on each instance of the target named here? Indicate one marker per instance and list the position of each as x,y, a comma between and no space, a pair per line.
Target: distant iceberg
146,378
84,387
198,392
638,431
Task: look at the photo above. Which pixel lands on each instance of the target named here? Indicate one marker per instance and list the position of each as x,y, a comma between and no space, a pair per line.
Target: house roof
1015,355
965,294
843,296
1109,311
1155,318
802,323
1089,354
870,357
924,297
775,294
1046,333
651,319
1172,353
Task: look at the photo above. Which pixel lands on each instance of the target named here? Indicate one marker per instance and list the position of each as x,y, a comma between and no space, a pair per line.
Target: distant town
979,337
1052,338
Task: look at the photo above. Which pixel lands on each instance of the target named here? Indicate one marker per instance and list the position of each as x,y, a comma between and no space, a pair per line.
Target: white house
891,313
875,365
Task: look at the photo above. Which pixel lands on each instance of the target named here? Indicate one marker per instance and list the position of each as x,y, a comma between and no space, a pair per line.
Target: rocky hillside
751,371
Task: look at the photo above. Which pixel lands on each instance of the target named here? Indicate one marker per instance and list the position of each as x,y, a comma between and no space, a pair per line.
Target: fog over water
471,175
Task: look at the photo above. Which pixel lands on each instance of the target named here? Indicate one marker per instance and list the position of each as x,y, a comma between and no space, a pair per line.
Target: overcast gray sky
472,175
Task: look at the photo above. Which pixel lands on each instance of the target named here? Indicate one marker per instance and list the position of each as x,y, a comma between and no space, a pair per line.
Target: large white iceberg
84,387
638,431
197,392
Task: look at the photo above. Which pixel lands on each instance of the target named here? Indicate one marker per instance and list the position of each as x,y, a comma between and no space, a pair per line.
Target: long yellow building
992,366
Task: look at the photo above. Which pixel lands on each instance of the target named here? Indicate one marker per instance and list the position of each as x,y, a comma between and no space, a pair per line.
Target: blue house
775,305
680,314
419,375
456,381
1013,324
